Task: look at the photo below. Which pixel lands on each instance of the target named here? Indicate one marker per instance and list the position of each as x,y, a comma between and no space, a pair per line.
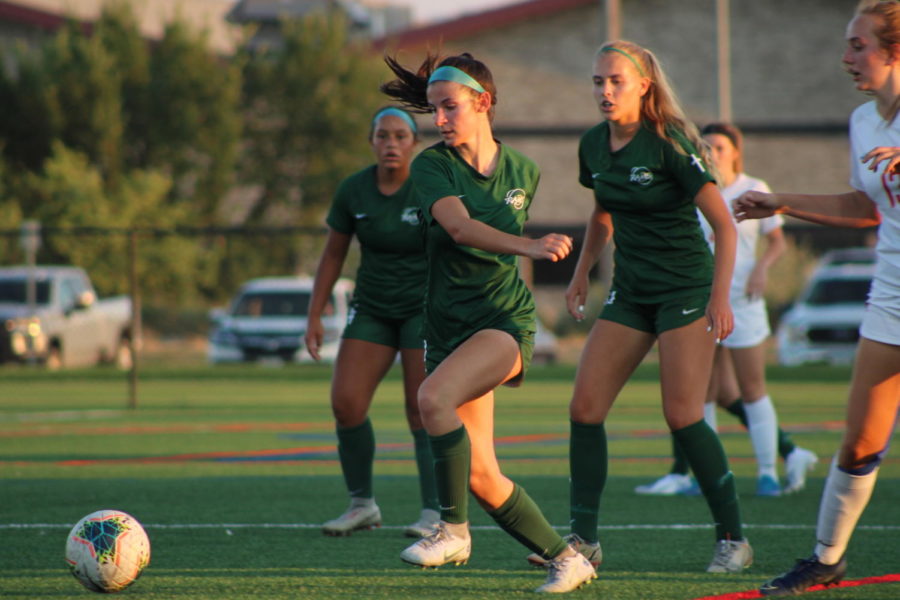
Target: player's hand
553,247
576,297
719,318
755,205
878,155
315,332
756,283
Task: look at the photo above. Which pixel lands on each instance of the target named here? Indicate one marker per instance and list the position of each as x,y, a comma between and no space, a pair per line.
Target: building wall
783,76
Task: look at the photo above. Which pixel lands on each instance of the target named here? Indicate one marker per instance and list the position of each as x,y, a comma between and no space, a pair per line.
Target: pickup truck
61,323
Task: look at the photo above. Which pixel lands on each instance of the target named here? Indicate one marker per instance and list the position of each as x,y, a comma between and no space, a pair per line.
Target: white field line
626,527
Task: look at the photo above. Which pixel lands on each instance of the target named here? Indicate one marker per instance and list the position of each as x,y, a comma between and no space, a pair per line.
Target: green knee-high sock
587,469
785,444
425,463
356,450
521,518
680,465
710,466
452,459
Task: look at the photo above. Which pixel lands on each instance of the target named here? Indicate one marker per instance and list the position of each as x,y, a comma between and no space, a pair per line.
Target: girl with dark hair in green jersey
474,194
649,172
376,205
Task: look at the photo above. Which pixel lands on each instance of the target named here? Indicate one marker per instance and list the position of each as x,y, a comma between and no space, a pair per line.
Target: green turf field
231,470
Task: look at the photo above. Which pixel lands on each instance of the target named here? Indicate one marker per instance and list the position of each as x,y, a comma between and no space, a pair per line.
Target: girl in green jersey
647,167
376,205
479,316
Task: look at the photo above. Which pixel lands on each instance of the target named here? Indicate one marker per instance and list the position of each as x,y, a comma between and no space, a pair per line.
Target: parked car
823,325
63,324
266,320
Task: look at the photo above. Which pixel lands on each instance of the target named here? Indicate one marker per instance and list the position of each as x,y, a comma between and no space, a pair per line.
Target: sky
430,11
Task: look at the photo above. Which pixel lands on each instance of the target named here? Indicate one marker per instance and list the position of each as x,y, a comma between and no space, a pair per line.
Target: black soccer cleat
805,574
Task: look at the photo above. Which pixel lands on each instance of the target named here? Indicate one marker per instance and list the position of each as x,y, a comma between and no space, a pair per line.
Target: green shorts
655,317
435,353
396,333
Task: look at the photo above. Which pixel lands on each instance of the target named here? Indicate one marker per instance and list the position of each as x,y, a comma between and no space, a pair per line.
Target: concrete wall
786,73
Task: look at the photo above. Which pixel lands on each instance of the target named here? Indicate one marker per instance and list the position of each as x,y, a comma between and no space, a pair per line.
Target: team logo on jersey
516,198
641,176
410,215
611,298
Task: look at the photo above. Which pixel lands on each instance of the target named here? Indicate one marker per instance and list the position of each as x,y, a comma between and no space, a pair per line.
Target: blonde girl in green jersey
377,206
649,172
474,193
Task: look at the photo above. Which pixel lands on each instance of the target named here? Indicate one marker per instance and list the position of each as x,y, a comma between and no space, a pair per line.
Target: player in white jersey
872,58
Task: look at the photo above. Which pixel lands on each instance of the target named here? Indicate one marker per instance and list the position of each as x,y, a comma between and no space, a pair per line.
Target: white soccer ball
107,550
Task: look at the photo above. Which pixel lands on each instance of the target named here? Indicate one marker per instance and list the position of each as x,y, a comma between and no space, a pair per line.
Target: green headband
394,112
448,73
636,64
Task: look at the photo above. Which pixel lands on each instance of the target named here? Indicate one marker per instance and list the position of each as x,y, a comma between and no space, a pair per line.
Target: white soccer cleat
439,548
354,519
667,485
428,520
592,552
567,574
797,464
731,557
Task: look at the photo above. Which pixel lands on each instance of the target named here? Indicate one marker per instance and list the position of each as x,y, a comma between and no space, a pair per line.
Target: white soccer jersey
748,232
867,131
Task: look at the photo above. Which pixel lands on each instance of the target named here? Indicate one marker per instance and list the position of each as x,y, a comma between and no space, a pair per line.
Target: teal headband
448,73
636,64
394,112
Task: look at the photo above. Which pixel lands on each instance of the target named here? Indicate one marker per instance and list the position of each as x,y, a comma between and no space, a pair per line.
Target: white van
267,321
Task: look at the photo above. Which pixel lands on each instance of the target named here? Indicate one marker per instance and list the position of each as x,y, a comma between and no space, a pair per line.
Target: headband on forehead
394,112
448,73
636,64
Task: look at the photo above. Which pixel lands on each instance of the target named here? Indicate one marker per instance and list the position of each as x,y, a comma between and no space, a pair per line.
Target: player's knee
347,413
581,410
430,403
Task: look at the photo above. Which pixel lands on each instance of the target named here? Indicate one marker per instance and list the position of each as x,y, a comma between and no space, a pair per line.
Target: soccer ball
107,550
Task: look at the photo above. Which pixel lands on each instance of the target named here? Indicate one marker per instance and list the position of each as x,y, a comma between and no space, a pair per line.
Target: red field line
173,428
891,578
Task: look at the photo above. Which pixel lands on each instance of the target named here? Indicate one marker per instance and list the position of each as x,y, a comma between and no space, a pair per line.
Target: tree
308,110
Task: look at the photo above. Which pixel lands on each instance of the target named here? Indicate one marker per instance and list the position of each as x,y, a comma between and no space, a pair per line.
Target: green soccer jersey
648,187
390,281
470,289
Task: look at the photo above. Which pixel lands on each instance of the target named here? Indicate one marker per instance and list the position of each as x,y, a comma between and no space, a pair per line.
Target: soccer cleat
667,485
428,520
806,573
439,548
592,552
567,574
354,519
797,464
767,486
731,557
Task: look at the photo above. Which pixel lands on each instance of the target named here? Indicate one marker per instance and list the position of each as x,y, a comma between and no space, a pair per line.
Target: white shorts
751,323
881,324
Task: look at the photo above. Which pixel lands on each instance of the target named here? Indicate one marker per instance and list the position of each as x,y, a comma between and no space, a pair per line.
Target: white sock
762,422
843,501
362,502
709,415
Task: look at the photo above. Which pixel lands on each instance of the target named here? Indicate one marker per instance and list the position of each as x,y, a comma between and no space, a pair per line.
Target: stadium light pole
723,41
613,19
